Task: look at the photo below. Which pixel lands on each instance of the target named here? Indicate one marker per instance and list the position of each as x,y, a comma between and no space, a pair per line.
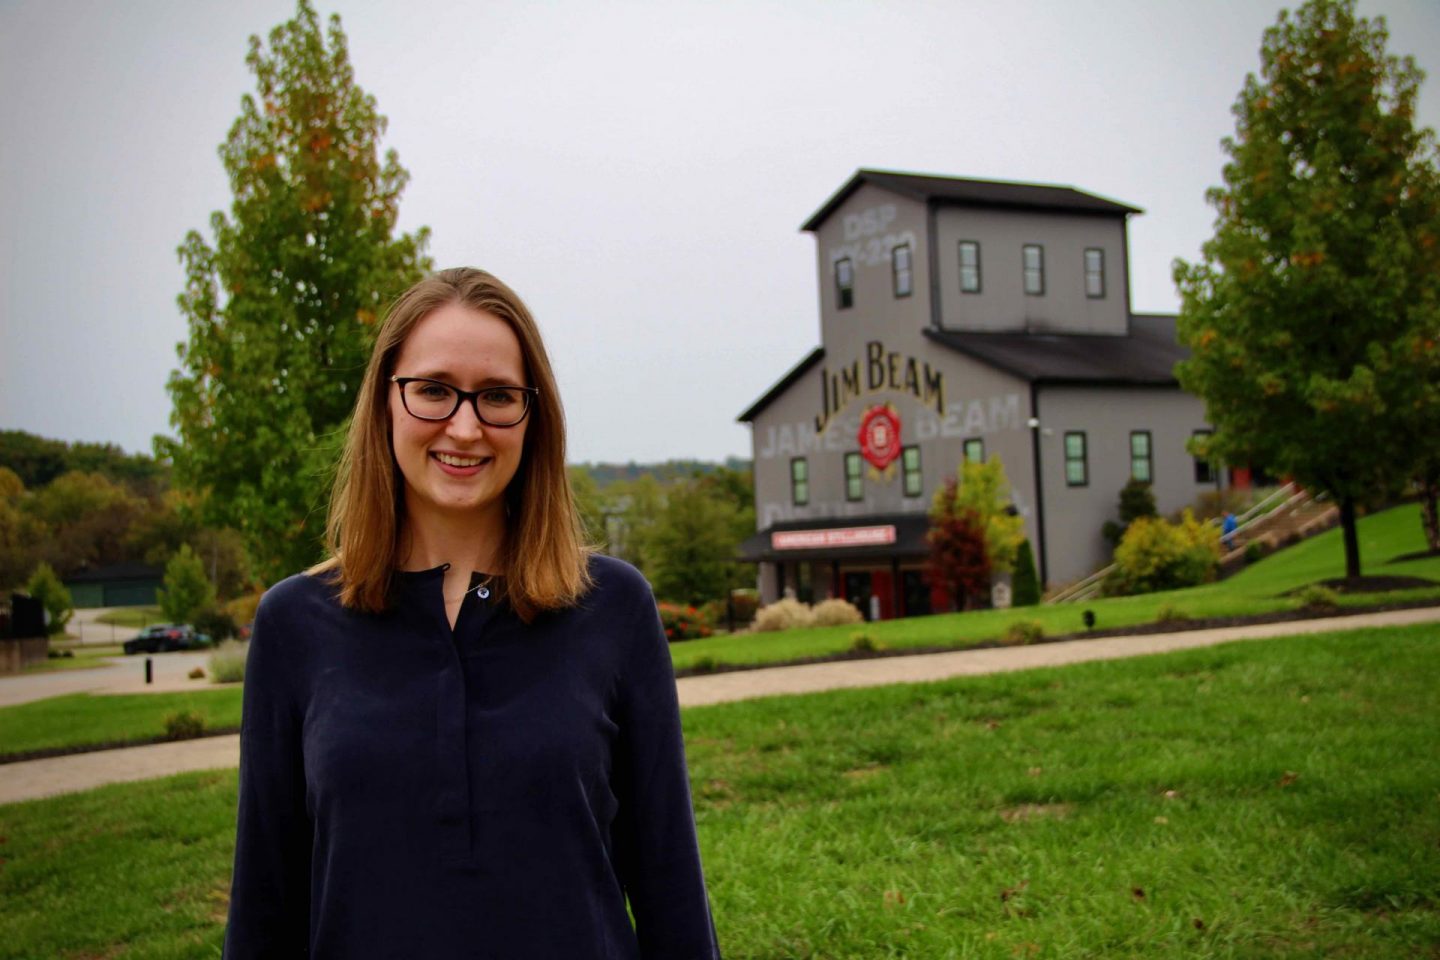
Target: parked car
164,637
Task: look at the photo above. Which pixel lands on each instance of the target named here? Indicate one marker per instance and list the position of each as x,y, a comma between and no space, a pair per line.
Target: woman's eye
497,398
433,391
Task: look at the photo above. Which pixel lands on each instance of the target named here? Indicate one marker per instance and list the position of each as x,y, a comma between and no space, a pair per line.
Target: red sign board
880,436
834,537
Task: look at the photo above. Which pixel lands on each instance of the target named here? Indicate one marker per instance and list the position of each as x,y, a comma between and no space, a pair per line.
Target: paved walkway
41,778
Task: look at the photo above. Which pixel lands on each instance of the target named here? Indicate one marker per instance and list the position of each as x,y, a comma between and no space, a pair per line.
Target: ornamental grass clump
227,663
1023,632
786,614
1317,597
835,611
184,725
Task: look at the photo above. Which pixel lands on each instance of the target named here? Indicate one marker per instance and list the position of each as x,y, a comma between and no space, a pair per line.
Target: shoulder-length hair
544,559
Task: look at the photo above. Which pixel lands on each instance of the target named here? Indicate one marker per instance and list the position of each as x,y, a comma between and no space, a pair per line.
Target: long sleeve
657,854
270,889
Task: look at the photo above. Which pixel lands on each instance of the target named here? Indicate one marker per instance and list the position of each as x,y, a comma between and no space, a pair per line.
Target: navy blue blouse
498,791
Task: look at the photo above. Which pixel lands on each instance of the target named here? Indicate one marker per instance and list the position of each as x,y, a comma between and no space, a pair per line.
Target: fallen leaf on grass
1033,771
1138,893
1198,923
893,897
1171,794
1009,892
1289,778
1035,811
1162,820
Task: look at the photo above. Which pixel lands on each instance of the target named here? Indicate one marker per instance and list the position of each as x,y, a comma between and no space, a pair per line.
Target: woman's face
457,465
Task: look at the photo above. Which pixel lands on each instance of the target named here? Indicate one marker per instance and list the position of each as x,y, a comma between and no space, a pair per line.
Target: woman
461,736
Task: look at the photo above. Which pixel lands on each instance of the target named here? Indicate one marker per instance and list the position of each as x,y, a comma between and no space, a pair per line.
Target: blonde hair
544,558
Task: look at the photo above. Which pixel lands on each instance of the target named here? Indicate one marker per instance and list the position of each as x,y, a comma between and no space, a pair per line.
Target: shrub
1022,632
1316,597
242,609
1136,501
215,622
865,643
1155,555
198,673
227,663
786,614
835,611
745,603
705,664
683,622
1027,581
1254,550
1170,613
46,587
184,725
958,564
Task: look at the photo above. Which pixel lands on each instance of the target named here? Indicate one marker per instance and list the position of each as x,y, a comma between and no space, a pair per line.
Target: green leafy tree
1027,582
985,491
46,587
1312,318
589,504
282,307
86,520
692,547
20,533
187,590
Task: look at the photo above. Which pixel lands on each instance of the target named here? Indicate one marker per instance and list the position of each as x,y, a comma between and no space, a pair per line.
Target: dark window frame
844,292
1083,459
965,449
960,254
911,471
857,478
800,485
1098,274
909,270
1148,458
1025,249
1205,471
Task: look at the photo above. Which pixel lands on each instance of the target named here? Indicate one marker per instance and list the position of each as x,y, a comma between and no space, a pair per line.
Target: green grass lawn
1258,799
84,718
82,658
1260,588
132,616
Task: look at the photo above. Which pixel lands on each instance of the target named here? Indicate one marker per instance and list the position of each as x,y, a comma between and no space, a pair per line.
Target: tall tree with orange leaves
282,306
1313,319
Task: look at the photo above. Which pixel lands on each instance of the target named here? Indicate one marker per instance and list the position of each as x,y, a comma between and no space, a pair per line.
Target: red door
882,585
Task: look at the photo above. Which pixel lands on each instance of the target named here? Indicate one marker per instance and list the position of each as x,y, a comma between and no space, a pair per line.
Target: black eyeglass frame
529,393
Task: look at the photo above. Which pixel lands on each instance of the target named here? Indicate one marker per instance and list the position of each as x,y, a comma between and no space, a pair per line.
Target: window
1094,272
854,477
975,451
1034,260
799,482
1204,471
900,267
1077,471
1141,462
910,463
844,283
969,266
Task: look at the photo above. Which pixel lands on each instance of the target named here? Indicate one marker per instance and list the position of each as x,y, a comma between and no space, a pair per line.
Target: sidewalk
42,778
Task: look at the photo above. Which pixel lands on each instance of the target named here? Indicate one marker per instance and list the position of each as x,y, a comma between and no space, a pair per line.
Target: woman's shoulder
614,576
300,594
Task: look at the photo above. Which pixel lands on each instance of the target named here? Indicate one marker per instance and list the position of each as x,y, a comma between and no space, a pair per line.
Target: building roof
781,385
1147,356
117,571
910,530
985,193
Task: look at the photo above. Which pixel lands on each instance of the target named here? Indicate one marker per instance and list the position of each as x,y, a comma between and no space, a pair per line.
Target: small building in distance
964,319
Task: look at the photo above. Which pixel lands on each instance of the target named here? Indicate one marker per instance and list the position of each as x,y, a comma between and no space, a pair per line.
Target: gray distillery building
963,319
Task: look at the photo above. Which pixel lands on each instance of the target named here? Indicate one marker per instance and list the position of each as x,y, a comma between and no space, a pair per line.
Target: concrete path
124,675
41,778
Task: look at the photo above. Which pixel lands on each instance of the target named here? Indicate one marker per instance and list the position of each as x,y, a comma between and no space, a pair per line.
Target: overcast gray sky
636,170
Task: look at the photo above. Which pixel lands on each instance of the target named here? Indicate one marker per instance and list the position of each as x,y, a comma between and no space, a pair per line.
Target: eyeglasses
436,400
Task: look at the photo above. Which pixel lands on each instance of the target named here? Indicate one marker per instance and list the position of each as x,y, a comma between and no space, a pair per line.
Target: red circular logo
880,436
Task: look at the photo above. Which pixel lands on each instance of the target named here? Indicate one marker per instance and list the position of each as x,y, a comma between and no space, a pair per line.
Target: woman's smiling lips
459,465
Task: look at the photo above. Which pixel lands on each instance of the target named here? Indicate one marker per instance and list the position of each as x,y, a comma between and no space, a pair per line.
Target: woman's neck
466,541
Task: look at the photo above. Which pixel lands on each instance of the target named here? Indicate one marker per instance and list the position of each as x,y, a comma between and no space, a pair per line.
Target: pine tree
282,307
1027,582
1314,317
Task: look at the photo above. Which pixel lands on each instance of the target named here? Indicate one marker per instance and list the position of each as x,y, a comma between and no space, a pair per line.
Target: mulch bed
1374,584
